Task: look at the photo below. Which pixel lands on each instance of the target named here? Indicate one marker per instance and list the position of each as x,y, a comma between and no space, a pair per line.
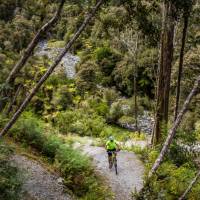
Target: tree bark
27,53
13,100
135,85
164,73
185,27
33,44
51,69
172,131
190,186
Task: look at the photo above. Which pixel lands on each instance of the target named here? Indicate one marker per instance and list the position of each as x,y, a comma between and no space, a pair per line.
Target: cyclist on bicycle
111,147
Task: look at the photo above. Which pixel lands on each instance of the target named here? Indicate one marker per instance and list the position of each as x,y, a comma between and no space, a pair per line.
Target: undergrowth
76,168
10,176
170,180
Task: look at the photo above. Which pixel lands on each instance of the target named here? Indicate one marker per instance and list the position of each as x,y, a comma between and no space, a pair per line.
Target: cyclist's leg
110,159
115,156
115,161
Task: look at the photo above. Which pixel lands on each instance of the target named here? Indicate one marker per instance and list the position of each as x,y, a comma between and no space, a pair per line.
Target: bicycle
113,160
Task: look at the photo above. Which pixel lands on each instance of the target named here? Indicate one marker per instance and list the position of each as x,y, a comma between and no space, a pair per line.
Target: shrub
99,106
3,120
116,112
170,180
110,95
56,44
62,98
28,130
10,177
51,145
85,78
126,120
75,167
80,122
106,59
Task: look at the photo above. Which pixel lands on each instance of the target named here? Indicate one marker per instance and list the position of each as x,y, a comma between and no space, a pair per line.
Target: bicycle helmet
111,138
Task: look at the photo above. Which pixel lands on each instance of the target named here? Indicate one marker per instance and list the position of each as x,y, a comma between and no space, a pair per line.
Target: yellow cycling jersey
111,145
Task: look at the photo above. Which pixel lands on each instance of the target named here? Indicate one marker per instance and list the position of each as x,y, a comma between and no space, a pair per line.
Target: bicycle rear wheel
115,164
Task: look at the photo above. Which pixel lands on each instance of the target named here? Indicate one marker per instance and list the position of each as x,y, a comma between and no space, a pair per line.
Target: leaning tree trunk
13,100
164,74
190,186
27,53
172,131
180,69
51,69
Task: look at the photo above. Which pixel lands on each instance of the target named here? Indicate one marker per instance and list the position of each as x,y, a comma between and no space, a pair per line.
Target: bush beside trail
10,176
76,168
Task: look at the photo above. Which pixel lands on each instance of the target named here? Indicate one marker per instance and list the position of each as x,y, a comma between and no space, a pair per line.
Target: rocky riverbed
68,62
68,65
145,123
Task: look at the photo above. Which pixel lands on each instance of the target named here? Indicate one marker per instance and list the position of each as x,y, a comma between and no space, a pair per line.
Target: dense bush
106,59
29,130
80,122
170,180
10,176
74,166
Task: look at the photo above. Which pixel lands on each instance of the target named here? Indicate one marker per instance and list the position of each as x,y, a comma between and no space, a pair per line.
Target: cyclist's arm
118,146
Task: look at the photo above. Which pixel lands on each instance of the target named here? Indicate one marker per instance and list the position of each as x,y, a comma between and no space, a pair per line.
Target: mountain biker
111,146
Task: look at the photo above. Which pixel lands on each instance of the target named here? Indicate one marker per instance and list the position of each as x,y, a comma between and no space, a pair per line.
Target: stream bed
68,62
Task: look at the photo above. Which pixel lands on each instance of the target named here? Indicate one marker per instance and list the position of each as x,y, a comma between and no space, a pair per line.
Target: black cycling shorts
111,151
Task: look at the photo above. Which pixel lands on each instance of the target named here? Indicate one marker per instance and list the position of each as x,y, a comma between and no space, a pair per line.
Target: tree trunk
190,186
13,100
164,74
51,69
180,69
135,85
27,53
172,131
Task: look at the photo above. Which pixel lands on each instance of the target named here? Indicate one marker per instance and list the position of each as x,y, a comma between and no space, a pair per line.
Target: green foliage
10,176
172,177
169,183
56,44
85,79
29,130
62,98
80,122
74,166
106,59
115,112
50,146
110,95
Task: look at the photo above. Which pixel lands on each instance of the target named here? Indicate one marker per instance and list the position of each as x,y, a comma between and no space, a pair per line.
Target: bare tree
190,186
130,39
51,69
28,51
172,131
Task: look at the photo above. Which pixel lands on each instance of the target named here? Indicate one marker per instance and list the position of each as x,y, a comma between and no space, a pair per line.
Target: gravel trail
39,183
131,171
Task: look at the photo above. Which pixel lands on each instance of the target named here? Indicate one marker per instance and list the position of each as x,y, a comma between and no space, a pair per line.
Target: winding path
39,183
131,171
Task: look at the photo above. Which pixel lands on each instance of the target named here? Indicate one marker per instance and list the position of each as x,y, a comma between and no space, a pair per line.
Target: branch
27,53
190,186
50,70
172,131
